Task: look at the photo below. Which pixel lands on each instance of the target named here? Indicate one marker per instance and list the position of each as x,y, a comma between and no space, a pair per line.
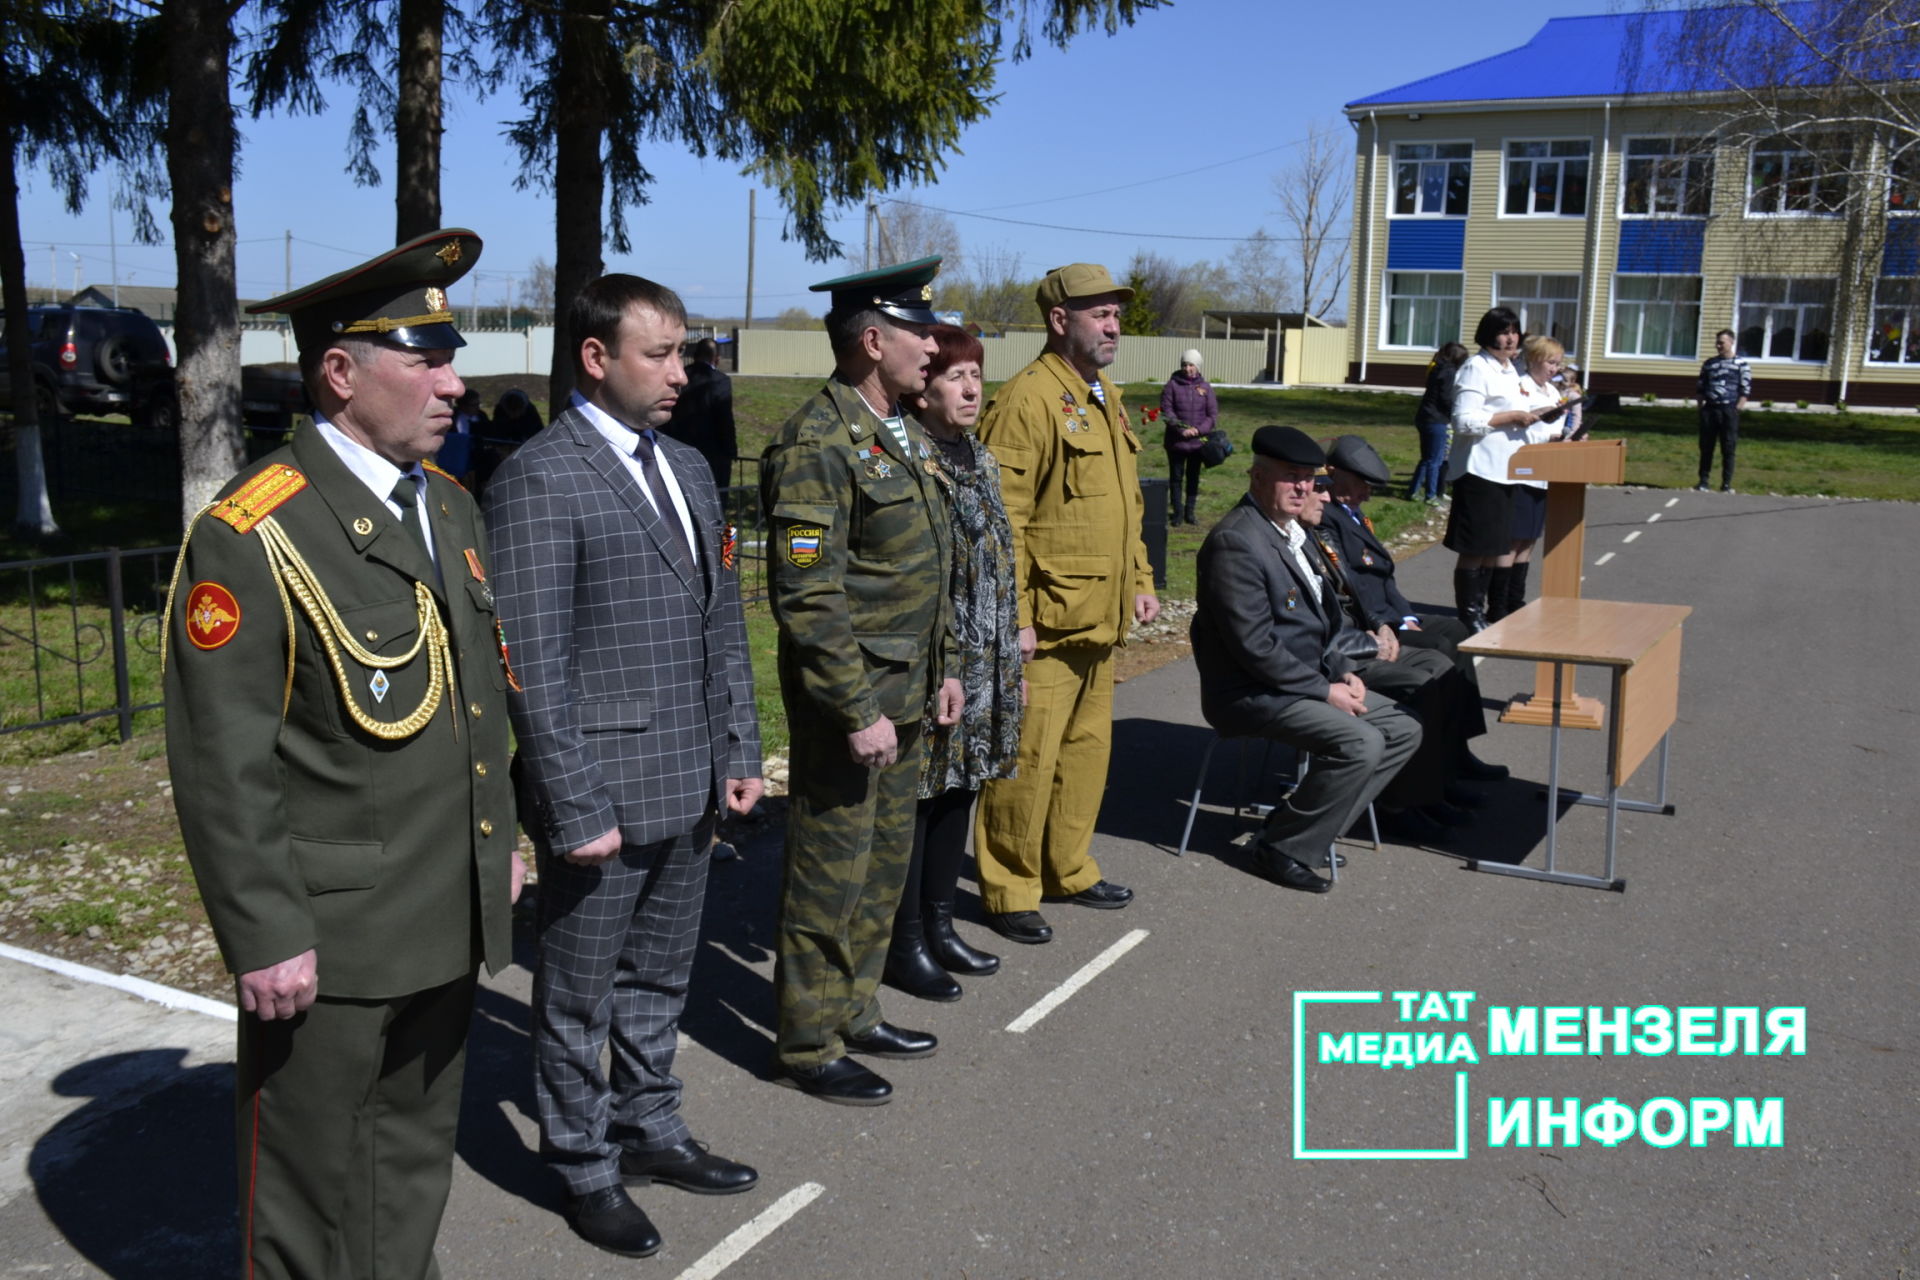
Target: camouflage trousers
849,845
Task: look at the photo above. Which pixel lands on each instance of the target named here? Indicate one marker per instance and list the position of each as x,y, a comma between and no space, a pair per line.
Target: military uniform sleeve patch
258,498
213,615
448,475
803,545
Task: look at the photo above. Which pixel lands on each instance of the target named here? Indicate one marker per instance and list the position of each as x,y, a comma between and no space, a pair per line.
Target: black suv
98,360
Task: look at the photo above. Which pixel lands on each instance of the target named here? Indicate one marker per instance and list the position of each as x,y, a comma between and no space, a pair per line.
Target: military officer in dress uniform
337,734
1069,471
857,560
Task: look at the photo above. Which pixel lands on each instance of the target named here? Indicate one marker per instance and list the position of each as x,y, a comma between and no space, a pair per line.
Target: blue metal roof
1611,55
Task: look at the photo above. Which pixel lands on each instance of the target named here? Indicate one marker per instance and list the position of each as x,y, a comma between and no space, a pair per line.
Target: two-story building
1586,181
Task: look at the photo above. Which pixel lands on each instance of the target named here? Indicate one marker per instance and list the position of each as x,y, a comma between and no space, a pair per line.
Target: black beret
1351,453
1288,444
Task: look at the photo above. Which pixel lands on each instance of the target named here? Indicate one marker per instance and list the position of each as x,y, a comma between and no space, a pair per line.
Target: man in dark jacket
703,417
1263,636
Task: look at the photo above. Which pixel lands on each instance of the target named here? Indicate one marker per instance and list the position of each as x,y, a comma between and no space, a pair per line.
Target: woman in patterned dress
986,740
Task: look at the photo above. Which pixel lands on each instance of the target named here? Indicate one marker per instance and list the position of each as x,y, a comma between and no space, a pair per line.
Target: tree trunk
200,146
33,514
417,119
579,176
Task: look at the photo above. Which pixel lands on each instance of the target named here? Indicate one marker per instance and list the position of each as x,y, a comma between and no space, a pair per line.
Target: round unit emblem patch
213,615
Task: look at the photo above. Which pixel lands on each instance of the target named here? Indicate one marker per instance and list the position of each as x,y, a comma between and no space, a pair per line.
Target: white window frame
1387,297
1613,311
1560,188
1708,154
1800,309
1518,303
1754,153
1393,185
1910,332
1911,186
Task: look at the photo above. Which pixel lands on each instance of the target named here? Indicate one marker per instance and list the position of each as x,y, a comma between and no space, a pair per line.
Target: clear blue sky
1228,85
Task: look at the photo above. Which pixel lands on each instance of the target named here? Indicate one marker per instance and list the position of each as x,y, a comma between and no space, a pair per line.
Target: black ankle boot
1470,597
949,950
1189,516
1497,592
910,968
1516,587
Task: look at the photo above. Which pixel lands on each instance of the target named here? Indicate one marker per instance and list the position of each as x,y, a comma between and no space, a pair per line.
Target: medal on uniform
729,546
1366,558
1293,597
379,685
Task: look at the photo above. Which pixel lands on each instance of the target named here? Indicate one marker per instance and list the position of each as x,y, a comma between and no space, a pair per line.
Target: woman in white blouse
1491,419
1543,394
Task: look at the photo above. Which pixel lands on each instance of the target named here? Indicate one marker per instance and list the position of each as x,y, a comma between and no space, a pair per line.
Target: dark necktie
407,493
662,500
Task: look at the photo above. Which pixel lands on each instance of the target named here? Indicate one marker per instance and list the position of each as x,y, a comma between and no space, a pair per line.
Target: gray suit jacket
1262,634
635,694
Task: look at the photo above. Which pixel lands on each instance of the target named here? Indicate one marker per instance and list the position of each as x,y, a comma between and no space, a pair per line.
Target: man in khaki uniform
1069,473
857,565
337,735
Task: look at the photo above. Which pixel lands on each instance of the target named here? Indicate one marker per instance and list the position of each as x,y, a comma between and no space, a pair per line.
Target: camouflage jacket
858,554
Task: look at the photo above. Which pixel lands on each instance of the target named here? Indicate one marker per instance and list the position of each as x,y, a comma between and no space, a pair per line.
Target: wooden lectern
1568,467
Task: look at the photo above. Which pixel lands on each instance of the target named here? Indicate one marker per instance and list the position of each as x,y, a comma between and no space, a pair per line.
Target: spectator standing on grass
1433,419
704,416
1726,381
1188,409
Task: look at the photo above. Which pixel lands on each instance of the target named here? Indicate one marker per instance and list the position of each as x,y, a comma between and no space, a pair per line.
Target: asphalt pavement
1147,1124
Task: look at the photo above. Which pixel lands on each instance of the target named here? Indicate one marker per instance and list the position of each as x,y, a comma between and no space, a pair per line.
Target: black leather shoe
690,1167
610,1220
1474,769
912,970
1020,926
949,950
889,1041
1104,895
843,1081
1446,815
1291,872
1331,857
1464,797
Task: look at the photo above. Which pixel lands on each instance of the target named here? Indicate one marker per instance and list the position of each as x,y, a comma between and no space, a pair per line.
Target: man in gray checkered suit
632,701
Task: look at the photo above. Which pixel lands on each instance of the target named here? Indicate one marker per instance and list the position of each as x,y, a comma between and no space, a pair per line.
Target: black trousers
1719,423
1191,464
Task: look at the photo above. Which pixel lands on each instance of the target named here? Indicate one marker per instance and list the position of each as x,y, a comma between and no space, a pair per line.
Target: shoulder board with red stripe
447,474
259,497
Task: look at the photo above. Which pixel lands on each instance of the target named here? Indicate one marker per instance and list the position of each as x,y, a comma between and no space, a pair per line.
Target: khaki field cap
400,296
1078,280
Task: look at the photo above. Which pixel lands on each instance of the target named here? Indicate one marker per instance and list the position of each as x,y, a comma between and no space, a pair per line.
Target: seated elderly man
1263,637
1374,600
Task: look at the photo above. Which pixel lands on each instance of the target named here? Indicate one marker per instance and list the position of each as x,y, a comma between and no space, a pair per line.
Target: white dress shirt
380,476
625,439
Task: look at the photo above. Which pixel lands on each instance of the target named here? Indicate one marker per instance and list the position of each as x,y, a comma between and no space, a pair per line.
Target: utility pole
747,321
53,274
873,211
113,253
289,262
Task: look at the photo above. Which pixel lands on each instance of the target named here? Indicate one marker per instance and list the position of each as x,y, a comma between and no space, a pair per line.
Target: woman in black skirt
1490,420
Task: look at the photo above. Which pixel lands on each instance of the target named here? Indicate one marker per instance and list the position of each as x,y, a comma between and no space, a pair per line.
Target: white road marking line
1630,537
1088,972
1672,503
1653,518
735,1246
1603,559
153,991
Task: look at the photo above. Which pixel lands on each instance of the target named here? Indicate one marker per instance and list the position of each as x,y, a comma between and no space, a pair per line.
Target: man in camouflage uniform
337,735
1069,473
857,559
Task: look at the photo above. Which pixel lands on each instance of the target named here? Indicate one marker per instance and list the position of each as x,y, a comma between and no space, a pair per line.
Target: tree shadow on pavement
143,1189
